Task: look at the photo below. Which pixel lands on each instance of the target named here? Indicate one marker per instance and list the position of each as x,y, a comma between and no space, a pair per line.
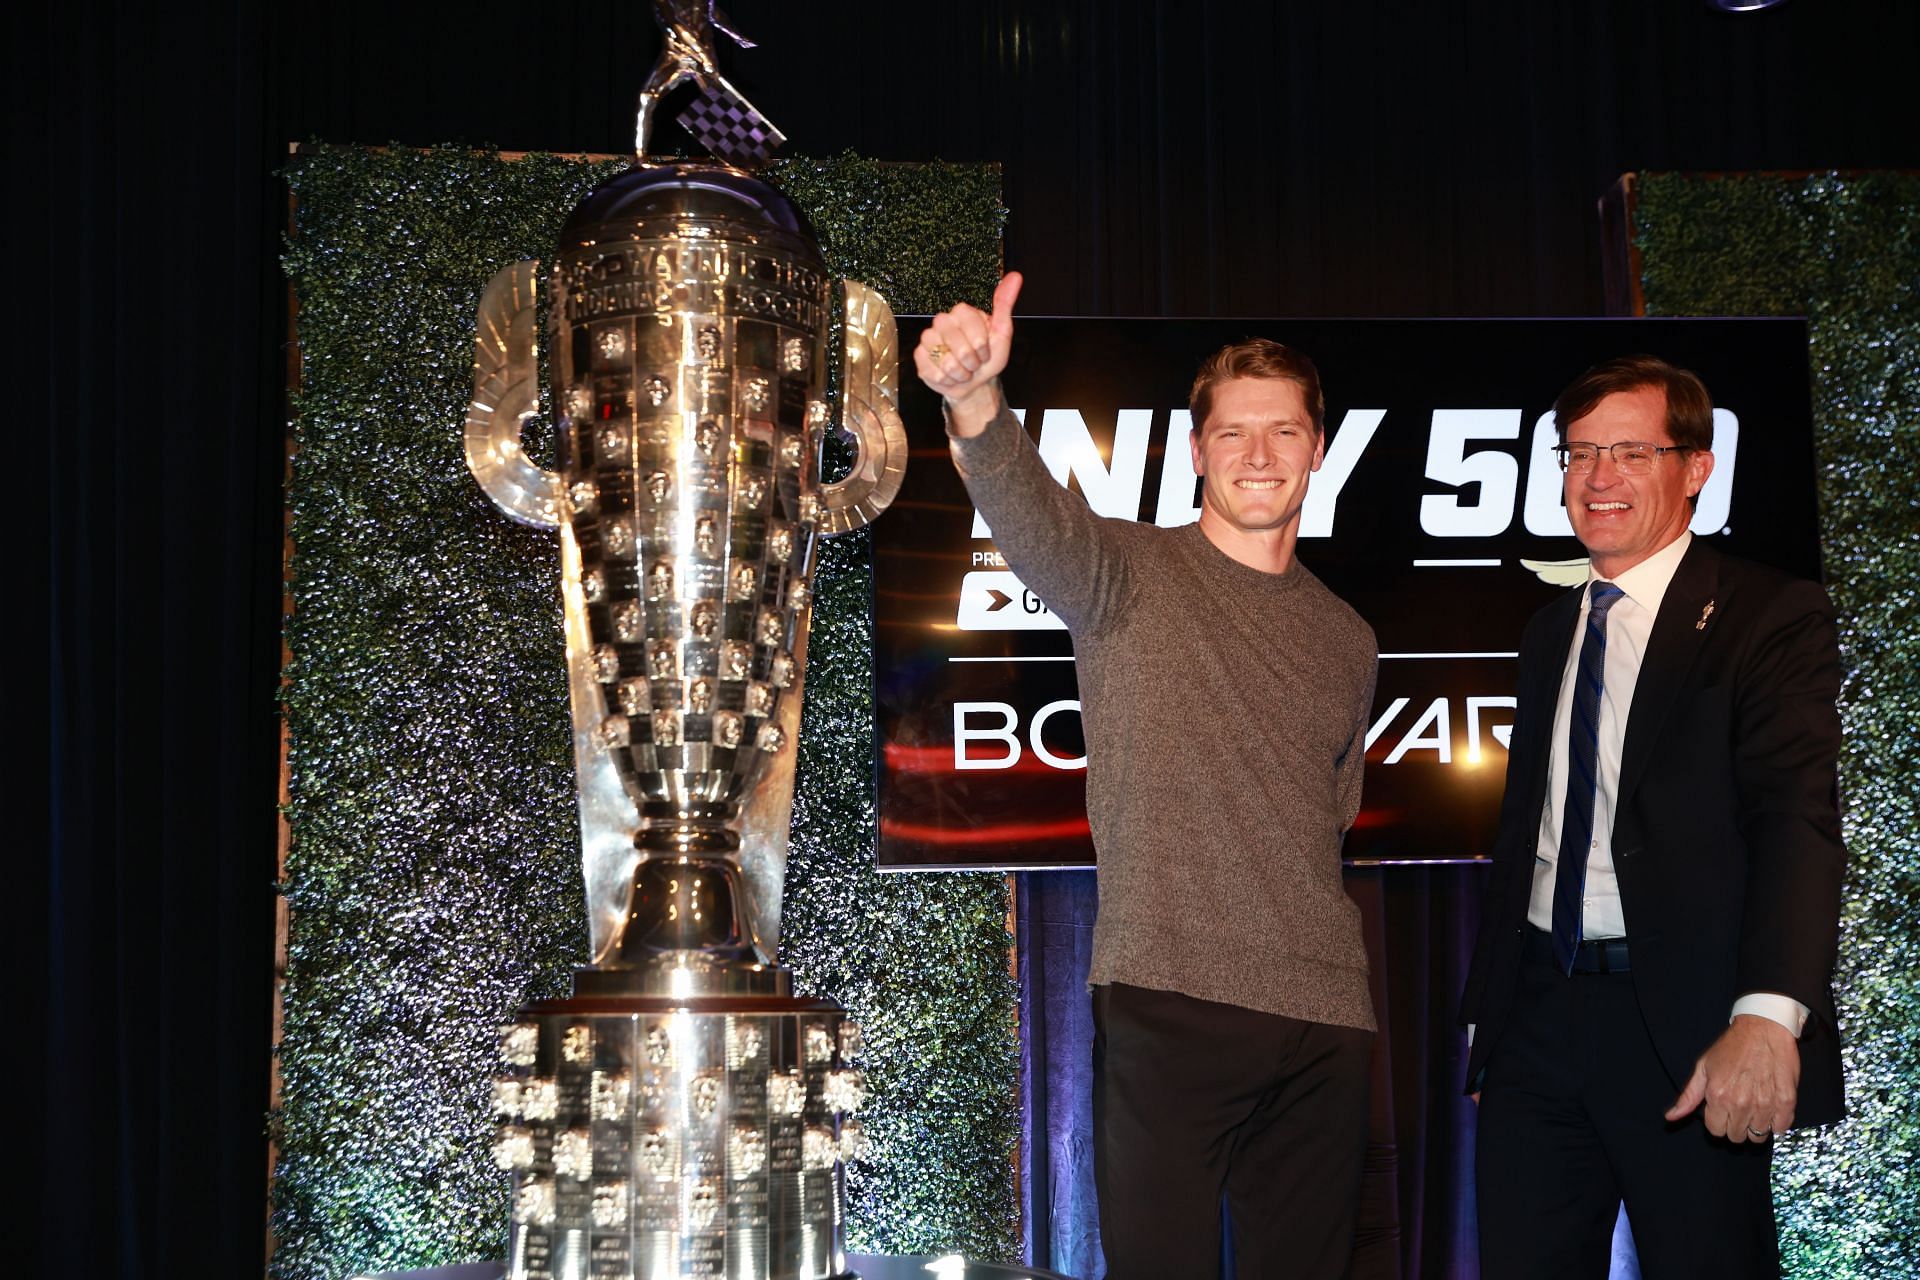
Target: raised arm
1073,559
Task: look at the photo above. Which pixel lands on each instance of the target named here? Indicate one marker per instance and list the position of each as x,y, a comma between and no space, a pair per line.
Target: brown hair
1689,409
1257,358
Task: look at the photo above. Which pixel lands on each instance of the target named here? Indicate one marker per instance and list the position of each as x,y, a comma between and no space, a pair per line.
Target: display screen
1437,515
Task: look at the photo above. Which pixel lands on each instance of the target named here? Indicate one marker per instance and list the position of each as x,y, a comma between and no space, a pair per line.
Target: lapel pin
1704,615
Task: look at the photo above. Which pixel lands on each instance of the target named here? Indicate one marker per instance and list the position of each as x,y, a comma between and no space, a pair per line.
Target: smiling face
1621,520
1254,454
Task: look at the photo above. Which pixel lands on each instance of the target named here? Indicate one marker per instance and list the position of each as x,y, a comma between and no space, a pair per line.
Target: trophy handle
870,413
506,392
506,370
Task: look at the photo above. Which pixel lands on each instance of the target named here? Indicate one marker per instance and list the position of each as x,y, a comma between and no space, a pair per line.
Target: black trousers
1193,1101
1571,1124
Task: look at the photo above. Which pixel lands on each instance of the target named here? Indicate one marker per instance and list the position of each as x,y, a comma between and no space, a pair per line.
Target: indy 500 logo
1479,492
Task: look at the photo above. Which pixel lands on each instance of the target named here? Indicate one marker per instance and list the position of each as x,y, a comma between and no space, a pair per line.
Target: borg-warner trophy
683,1113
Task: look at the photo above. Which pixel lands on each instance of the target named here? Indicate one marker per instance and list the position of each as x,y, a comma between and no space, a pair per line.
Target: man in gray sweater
1225,694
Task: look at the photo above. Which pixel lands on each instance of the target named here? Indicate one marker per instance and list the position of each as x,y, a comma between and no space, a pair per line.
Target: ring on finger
1759,1133
937,352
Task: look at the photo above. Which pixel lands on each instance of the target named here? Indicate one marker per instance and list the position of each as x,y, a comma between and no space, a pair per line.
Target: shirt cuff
1785,1010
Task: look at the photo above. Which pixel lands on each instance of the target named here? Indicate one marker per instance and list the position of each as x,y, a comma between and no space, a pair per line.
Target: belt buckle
1599,955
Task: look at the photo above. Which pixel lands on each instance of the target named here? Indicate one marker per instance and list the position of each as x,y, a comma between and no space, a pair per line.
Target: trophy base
656,1137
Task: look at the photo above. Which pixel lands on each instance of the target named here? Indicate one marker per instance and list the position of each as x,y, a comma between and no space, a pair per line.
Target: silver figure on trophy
721,118
683,1113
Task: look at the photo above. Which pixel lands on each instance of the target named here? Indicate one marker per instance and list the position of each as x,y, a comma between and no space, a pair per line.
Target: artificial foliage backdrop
1845,252
433,873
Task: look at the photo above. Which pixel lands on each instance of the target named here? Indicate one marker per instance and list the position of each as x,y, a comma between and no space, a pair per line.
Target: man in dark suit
1650,998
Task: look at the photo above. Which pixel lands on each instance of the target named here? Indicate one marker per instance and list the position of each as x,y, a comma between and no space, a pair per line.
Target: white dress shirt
1629,626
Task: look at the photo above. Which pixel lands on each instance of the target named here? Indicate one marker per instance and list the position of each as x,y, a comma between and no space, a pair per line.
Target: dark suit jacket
1726,833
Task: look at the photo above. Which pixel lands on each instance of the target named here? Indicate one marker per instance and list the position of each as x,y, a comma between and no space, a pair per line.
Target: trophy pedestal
661,1138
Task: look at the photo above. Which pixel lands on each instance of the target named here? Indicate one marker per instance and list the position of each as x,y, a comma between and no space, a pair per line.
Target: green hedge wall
1845,252
433,874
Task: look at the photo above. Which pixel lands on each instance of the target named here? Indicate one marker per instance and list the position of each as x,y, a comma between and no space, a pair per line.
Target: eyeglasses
1630,457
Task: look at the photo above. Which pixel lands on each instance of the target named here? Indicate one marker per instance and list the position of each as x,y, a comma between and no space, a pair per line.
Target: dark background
1328,157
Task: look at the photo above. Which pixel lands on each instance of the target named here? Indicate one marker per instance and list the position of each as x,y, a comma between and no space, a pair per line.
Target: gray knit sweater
1226,714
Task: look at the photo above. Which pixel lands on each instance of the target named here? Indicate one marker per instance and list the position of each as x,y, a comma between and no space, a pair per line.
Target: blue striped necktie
1583,776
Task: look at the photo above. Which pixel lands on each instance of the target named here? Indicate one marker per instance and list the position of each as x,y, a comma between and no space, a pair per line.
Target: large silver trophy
683,1113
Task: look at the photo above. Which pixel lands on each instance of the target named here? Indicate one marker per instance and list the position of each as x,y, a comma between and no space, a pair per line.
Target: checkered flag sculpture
721,117
729,127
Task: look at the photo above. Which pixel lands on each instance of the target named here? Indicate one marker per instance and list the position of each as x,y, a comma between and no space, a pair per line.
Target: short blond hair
1257,358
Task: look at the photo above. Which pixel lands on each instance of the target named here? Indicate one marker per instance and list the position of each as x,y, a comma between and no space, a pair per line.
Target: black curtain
140,256
1326,157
